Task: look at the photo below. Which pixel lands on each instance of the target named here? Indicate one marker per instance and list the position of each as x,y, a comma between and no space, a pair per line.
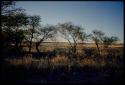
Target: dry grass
54,45
87,62
59,61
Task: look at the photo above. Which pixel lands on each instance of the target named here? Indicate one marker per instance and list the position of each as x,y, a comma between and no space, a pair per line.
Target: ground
89,68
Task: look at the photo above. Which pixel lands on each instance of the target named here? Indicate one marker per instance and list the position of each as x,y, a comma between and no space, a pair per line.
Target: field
49,46
55,65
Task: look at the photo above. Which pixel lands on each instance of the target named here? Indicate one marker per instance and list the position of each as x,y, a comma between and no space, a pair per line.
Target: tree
97,38
19,20
73,34
4,6
33,22
12,20
8,7
44,33
109,40
9,13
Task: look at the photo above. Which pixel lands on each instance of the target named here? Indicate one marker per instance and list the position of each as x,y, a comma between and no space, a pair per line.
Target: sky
106,16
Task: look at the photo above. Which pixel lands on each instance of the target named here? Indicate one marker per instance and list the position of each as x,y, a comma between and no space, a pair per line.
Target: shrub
60,61
89,51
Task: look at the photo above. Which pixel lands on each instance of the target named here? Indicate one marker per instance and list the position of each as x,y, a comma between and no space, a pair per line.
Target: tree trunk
30,46
98,48
17,43
37,46
74,49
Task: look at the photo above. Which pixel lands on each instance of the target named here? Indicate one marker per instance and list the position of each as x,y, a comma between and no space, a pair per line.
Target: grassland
49,46
88,67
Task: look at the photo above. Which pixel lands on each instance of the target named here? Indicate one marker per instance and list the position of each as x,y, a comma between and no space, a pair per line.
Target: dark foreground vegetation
36,62
85,75
90,69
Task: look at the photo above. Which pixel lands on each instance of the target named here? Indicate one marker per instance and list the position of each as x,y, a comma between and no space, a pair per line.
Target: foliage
97,38
109,40
33,23
73,34
12,19
44,33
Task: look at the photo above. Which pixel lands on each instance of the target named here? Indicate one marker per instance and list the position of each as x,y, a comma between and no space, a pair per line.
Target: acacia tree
12,20
43,34
73,34
106,41
97,38
4,6
20,20
33,23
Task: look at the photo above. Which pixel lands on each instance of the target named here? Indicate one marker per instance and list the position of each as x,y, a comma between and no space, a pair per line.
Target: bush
89,51
60,51
60,61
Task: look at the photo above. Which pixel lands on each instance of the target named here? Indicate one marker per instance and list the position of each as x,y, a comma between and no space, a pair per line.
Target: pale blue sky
106,16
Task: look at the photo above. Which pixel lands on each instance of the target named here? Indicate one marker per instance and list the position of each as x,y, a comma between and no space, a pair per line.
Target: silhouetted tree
106,41
73,34
4,6
44,33
12,20
33,22
97,38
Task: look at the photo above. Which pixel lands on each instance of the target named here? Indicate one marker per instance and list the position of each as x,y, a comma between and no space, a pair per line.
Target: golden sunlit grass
87,62
25,61
62,60
58,61
39,63
51,46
